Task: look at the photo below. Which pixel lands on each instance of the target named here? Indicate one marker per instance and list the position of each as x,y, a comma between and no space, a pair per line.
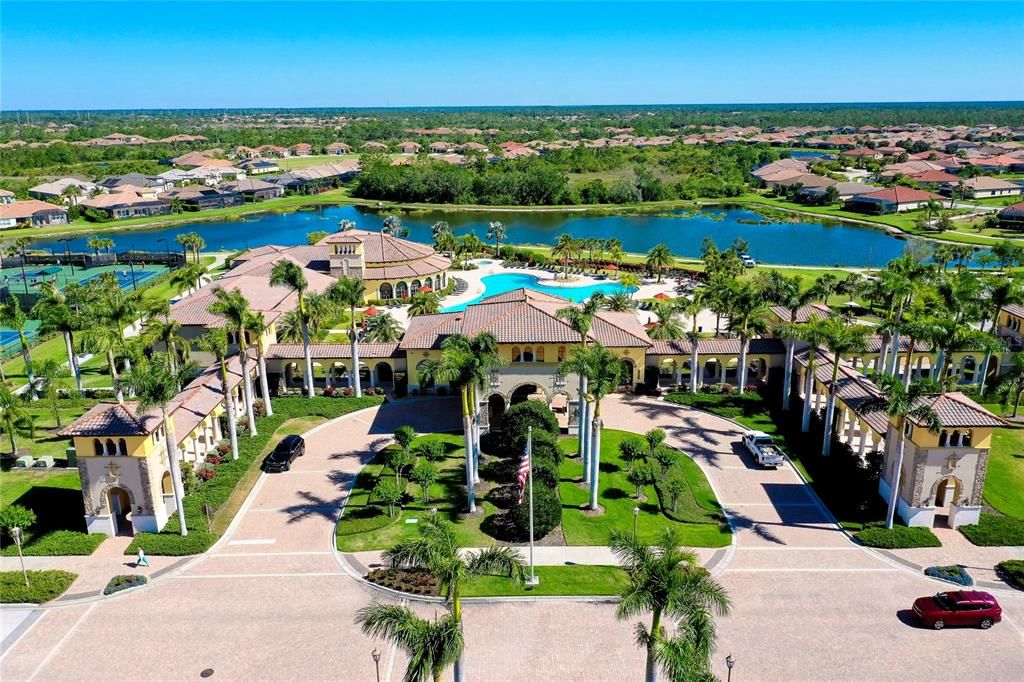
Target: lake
791,243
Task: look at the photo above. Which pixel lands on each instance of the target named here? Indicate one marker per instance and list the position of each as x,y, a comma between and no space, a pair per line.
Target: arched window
122,447
517,355
954,439
437,283
943,438
965,440
402,290
415,286
540,354
387,291
528,354
97,447
109,448
561,353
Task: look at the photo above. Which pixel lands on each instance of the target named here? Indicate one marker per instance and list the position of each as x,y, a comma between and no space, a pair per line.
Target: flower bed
411,580
953,574
120,583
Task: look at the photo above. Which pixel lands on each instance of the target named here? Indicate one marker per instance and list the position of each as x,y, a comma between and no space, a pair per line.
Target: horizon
445,55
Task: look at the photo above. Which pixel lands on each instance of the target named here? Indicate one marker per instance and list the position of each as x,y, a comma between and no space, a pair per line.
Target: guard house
943,473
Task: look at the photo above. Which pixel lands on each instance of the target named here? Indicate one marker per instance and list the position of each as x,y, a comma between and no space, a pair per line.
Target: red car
958,608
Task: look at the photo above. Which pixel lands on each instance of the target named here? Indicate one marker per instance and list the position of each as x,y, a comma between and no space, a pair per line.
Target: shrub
390,492
1012,572
995,531
547,513
167,544
224,449
329,392
545,448
897,537
124,582
412,580
258,408
205,474
953,574
632,449
425,474
214,459
545,474
404,436
16,516
189,480
59,543
432,450
43,586
519,418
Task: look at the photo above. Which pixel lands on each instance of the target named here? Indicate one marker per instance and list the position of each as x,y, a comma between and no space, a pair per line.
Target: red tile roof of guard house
957,410
523,316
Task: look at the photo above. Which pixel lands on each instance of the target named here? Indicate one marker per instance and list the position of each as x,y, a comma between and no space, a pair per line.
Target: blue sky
92,55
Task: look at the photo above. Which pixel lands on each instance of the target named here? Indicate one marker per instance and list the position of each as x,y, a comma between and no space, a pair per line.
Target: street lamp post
167,247
729,663
636,516
376,662
16,531
67,251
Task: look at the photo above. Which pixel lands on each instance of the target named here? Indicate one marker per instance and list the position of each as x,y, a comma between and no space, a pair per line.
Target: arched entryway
523,393
628,371
947,494
384,373
120,507
165,484
495,410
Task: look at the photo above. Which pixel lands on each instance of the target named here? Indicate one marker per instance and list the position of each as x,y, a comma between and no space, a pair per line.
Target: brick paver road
270,602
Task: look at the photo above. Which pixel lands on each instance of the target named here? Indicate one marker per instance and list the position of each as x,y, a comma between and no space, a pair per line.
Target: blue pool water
499,284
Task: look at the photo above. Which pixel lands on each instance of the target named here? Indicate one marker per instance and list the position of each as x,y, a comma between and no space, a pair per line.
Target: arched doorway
628,370
947,494
402,290
384,373
165,484
495,410
386,291
120,507
522,393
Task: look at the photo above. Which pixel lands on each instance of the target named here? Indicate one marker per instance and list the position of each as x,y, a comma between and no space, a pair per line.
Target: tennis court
33,278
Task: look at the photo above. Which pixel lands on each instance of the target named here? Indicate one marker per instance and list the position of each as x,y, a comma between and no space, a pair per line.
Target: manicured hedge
59,543
215,492
1012,572
517,420
953,574
120,583
363,519
897,537
547,513
730,405
43,586
995,531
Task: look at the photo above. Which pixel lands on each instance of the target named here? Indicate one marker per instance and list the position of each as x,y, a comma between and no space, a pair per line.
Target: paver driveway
270,602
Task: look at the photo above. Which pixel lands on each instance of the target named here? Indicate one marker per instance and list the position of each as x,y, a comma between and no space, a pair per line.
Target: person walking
142,559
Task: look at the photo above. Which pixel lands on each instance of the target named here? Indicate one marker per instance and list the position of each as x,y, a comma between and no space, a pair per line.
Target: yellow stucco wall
981,438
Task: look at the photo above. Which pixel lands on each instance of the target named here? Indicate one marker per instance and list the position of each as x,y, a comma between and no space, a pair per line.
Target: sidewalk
980,562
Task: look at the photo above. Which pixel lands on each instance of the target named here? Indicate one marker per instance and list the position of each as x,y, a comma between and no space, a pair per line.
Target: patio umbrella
424,290
662,296
611,266
565,261
371,311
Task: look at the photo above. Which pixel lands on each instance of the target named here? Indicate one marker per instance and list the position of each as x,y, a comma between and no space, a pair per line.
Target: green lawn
22,487
705,528
448,496
43,442
554,580
1004,478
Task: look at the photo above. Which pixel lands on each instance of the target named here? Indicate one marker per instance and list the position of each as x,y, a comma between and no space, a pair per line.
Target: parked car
284,454
958,608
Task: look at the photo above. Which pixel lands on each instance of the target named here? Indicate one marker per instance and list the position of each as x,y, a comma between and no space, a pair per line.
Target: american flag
524,471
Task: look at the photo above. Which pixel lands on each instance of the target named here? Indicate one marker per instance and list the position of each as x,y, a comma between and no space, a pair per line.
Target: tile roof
110,419
805,313
380,248
901,195
854,389
957,410
28,208
716,346
523,316
294,351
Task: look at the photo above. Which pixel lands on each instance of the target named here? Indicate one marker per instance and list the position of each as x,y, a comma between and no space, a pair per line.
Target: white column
863,439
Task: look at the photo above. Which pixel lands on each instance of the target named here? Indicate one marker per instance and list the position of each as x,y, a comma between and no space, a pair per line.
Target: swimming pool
499,284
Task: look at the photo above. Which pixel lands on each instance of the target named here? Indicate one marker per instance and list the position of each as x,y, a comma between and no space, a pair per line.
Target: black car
284,454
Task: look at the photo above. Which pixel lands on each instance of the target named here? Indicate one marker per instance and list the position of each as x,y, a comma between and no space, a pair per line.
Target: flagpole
529,455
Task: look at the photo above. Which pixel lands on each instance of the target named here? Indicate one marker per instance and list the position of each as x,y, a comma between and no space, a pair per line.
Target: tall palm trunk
694,369
247,391
595,456
787,377
72,361
910,363
583,421
112,364
307,352
742,376
229,405
894,484
805,419
26,355
654,634
830,408
261,361
172,458
940,360
894,353
357,386
467,434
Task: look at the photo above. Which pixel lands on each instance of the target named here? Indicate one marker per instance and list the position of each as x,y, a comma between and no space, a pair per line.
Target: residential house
256,190
31,213
844,190
155,182
272,150
6,196
337,149
984,186
375,146
409,147
258,166
301,149
891,200
1012,216
126,203
439,147
55,190
933,178
862,153
201,197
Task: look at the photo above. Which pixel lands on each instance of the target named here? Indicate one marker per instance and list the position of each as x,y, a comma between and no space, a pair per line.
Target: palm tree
382,328
791,296
94,243
630,281
749,317
118,311
1011,384
351,292
579,318
666,581
839,339
185,241
564,250
287,273
619,302
496,231
436,548
424,303
167,332
483,349
197,244
668,325
659,258
188,277
901,403
614,249
431,646
720,291
154,385
605,376
393,226
256,323
346,225
56,315
692,308
13,317
106,340
234,308
12,414
51,373
70,194
215,342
